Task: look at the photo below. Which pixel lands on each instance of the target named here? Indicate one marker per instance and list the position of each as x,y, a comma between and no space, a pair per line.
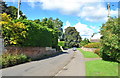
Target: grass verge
88,54
101,68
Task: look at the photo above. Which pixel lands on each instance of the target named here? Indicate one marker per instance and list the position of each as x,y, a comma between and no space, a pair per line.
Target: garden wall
33,52
88,49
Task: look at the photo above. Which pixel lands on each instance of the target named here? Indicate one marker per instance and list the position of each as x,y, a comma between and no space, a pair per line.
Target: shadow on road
46,56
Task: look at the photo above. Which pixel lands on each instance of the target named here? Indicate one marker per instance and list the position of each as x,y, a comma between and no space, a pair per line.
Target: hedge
93,45
27,33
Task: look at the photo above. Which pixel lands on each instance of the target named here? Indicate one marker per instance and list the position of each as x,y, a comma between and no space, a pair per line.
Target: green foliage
84,42
97,51
3,6
93,45
39,36
61,43
12,11
7,59
51,23
72,37
13,33
111,39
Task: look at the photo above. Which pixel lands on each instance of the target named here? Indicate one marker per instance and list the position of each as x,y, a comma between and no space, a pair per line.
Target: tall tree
12,11
72,37
3,6
53,24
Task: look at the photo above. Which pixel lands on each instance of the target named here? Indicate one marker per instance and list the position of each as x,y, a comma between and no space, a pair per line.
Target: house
95,38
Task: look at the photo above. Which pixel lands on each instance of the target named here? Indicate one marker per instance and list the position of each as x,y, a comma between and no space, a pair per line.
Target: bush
110,39
97,51
93,45
12,59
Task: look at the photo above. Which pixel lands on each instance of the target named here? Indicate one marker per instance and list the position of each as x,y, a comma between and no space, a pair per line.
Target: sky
87,16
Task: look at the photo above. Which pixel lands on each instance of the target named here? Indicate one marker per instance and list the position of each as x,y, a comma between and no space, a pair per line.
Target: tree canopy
72,37
110,39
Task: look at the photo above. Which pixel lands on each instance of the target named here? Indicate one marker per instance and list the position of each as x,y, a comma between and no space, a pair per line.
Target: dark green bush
110,39
93,45
7,59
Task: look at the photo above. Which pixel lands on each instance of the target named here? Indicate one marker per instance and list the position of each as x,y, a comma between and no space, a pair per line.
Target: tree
3,6
72,37
12,11
110,39
13,33
53,24
84,42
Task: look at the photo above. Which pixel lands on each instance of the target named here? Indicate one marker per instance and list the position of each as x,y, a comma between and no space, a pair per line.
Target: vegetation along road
68,63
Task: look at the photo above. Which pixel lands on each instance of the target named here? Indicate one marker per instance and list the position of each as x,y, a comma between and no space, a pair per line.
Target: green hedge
27,33
38,36
93,45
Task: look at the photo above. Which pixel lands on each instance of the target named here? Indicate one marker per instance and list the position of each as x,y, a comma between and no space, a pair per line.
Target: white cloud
90,10
84,30
66,25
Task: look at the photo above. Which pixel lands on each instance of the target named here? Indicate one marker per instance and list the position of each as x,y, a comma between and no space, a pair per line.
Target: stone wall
1,45
32,52
88,49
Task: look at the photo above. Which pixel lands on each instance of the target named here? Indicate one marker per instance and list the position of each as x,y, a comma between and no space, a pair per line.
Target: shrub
97,51
7,59
110,39
93,45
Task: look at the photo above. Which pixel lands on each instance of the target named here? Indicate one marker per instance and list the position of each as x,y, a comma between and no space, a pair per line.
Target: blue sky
86,17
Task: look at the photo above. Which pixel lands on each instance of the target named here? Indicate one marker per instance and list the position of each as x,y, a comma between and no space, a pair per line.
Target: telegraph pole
19,2
108,7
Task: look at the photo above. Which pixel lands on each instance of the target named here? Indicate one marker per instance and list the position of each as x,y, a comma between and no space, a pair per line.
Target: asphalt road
68,63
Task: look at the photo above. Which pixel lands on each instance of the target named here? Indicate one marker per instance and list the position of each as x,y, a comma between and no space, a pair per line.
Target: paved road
68,63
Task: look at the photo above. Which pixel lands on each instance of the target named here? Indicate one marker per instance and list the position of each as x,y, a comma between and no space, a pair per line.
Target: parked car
74,49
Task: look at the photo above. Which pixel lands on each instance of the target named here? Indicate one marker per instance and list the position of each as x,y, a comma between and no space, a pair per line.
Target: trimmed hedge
27,33
93,45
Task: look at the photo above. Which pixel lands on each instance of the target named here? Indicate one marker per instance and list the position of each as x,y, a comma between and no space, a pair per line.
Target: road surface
68,63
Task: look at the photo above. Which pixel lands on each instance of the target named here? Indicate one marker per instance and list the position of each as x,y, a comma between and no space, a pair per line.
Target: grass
101,68
88,54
